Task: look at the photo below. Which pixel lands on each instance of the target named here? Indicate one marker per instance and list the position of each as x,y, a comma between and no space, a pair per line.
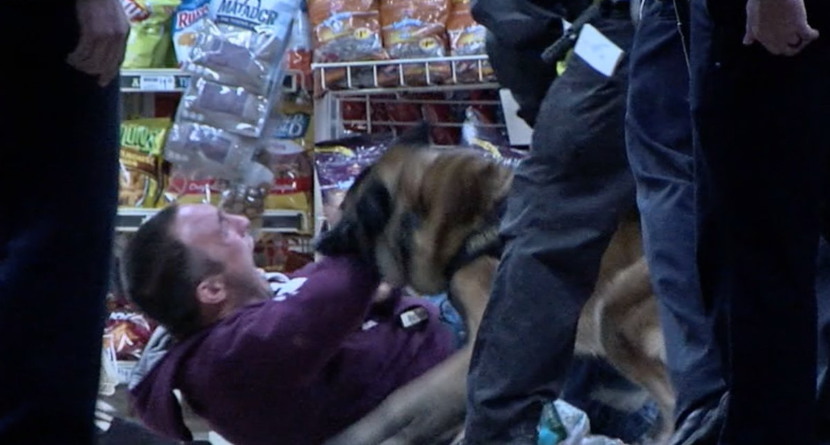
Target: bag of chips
142,141
149,42
189,17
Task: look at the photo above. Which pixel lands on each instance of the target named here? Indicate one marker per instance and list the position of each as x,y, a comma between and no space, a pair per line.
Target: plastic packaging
232,108
140,175
149,42
477,133
237,57
189,17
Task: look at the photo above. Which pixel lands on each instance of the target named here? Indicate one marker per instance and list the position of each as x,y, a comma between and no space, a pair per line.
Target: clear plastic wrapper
189,143
237,57
232,108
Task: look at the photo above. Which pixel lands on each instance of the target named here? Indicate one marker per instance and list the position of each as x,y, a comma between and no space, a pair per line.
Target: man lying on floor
290,365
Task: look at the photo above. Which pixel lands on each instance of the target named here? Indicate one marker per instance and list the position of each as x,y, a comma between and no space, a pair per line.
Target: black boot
703,425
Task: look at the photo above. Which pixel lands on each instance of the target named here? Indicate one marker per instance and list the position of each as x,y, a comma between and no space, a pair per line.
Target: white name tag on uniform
597,50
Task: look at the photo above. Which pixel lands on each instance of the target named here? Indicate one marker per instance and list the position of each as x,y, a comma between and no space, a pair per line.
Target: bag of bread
189,17
149,42
347,31
142,142
467,38
416,29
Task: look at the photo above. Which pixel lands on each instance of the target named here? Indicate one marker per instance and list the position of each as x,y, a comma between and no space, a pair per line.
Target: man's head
189,266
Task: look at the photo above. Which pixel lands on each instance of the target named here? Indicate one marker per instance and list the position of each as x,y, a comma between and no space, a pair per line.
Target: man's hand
103,37
779,25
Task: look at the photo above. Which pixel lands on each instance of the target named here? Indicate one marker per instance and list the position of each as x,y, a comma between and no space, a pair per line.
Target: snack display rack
391,75
391,82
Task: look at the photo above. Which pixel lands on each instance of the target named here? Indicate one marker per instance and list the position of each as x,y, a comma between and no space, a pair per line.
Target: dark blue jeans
58,196
762,145
565,203
659,140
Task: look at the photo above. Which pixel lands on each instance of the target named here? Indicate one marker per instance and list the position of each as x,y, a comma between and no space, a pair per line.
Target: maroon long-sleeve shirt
297,369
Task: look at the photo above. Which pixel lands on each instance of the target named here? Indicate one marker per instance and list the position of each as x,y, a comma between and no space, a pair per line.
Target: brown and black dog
429,218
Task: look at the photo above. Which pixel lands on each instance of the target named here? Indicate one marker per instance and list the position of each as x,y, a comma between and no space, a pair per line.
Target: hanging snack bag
206,148
467,38
189,17
243,43
148,44
233,108
236,61
142,141
415,29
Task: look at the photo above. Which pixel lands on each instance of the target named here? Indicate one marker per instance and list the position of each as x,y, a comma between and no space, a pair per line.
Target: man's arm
103,39
290,341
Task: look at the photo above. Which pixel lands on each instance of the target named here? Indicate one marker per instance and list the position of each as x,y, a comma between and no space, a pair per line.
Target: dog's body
439,204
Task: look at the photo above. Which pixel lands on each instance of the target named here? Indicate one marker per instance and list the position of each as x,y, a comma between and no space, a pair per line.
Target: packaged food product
479,133
142,142
348,31
467,38
189,17
149,42
127,333
339,162
416,29
185,184
287,154
215,151
228,60
293,176
232,108
277,252
345,30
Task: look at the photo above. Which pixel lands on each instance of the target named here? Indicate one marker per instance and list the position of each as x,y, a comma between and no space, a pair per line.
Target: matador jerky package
236,67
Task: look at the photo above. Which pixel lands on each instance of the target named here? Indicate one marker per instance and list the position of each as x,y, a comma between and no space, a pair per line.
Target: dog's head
413,210
368,204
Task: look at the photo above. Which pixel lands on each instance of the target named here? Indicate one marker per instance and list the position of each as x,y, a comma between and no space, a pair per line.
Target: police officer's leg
659,140
760,148
563,207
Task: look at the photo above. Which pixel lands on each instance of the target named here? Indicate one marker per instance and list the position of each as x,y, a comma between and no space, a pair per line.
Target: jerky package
236,68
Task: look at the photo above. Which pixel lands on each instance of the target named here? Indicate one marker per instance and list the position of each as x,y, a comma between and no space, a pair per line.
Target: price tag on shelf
157,83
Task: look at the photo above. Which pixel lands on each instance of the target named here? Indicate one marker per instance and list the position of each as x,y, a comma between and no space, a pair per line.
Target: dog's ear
363,221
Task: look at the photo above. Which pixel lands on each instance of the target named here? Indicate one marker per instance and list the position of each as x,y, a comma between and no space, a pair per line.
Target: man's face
222,237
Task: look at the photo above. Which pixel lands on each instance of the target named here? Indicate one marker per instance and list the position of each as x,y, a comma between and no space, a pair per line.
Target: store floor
127,429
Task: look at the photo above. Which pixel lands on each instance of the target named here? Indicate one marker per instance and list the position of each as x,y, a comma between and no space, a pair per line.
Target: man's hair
160,274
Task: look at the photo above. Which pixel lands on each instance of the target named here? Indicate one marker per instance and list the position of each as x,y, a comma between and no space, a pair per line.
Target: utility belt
599,8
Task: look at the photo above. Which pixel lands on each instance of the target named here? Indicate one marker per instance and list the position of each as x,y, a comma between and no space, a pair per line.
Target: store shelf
174,80
411,75
274,221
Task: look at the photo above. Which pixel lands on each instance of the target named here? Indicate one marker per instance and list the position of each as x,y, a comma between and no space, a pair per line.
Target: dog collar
486,241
